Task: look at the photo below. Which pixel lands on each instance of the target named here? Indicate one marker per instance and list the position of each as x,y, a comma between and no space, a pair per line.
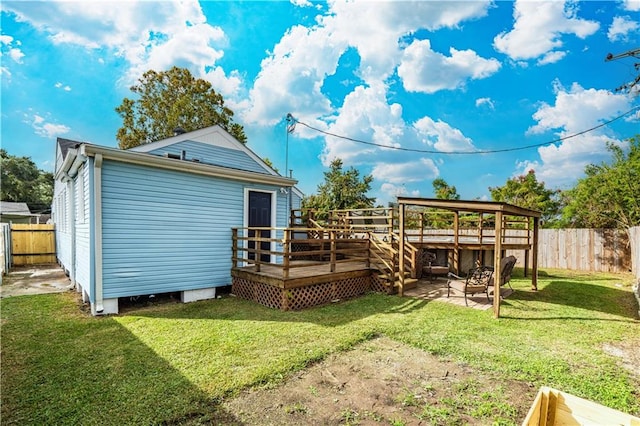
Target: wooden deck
311,284
302,273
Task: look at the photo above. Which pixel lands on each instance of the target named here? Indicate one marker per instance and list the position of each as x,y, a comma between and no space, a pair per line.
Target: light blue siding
296,202
83,248
166,231
210,154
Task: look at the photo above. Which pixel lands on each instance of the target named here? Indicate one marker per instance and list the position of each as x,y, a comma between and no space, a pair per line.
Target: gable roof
9,207
144,155
66,144
214,136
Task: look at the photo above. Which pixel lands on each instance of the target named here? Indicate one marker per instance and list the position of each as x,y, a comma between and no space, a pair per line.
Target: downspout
97,195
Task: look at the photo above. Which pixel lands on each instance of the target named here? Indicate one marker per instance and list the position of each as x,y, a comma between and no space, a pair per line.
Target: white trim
97,194
274,217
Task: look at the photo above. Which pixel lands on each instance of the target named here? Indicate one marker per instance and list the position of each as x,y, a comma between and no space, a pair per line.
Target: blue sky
423,81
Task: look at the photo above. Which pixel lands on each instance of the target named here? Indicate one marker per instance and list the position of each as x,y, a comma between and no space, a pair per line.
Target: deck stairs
384,253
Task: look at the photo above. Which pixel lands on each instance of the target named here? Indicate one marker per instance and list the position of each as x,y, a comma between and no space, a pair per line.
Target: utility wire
488,151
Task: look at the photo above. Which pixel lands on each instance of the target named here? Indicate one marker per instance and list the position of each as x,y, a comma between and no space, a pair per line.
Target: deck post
368,261
286,244
234,247
497,254
534,260
401,249
332,245
258,246
456,241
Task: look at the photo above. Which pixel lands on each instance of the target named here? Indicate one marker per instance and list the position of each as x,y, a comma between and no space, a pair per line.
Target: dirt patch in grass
628,353
384,382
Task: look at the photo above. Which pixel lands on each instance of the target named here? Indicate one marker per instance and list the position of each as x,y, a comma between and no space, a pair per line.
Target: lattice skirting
301,297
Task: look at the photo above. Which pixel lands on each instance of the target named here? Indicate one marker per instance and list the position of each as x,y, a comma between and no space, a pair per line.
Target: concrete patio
437,290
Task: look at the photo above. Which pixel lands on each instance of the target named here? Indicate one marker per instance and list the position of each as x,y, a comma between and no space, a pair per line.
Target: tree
269,163
525,191
444,191
609,195
170,100
23,182
341,190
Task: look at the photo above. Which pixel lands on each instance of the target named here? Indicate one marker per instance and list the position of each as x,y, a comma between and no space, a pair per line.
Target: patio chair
430,267
477,281
506,268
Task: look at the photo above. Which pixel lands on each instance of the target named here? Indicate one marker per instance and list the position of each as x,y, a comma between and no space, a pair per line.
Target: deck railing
423,226
290,248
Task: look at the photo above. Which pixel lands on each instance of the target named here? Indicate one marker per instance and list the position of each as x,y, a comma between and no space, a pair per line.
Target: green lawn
173,363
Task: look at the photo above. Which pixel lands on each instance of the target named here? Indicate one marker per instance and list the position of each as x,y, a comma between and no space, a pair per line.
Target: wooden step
409,283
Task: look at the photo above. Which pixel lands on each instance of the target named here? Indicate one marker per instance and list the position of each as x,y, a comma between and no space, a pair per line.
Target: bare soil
384,382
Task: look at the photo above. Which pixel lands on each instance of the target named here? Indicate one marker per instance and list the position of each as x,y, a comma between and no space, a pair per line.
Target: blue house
157,218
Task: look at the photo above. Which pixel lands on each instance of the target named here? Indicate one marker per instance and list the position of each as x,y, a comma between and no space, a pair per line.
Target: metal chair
476,281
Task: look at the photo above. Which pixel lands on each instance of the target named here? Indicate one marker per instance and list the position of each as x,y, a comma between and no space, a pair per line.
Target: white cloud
8,47
16,54
59,85
538,29
302,3
426,71
148,35
291,79
632,5
621,27
409,171
575,110
365,115
485,102
46,129
292,76
552,57
441,136
392,191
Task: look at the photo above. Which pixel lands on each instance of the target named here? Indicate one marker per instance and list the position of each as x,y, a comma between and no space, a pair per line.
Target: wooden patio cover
492,207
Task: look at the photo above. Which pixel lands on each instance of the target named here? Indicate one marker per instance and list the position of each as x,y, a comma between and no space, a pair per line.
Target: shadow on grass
582,295
61,367
331,315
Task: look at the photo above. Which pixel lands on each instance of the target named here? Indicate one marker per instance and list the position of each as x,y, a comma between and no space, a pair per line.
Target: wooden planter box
553,407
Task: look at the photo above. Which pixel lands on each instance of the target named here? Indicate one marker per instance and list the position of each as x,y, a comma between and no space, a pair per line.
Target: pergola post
456,241
534,260
497,256
401,249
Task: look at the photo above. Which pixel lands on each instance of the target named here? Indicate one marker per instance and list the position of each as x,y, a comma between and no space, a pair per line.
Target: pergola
499,210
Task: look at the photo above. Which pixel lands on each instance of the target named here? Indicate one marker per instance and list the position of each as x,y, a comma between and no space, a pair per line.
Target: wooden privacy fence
32,244
594,250
634,240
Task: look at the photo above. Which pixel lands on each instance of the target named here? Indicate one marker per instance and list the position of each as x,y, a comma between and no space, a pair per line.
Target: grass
174,363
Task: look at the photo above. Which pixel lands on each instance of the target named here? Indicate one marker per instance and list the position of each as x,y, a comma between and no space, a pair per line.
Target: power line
488,151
